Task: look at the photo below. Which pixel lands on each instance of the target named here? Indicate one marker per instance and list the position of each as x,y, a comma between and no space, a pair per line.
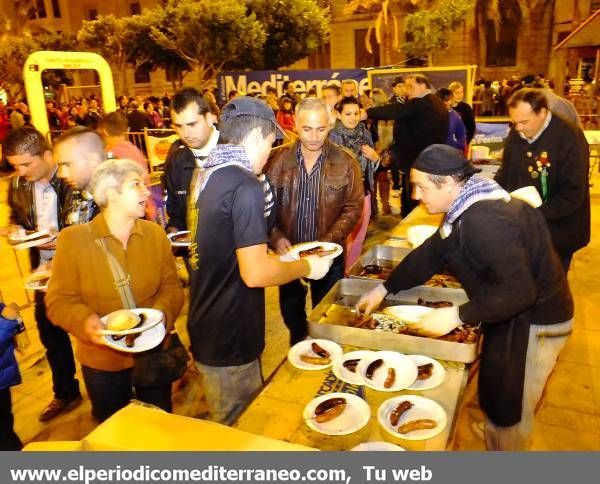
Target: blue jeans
292,299
544,345
110,391
229,389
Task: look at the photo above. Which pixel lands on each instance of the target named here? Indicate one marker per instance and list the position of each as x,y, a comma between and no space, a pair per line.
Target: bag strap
121,280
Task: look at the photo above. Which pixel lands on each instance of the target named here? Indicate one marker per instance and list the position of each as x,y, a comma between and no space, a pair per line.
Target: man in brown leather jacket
319,196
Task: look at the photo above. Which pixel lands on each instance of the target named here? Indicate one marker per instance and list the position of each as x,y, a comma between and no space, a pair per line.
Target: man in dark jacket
319,196
38,200
501,251
137,120
551,154
420,122
194,124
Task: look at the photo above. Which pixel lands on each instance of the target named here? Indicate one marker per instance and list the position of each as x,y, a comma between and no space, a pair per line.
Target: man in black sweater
500,250
551,154
420,122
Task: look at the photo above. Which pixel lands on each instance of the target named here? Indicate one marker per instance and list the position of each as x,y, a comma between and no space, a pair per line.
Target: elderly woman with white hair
83,289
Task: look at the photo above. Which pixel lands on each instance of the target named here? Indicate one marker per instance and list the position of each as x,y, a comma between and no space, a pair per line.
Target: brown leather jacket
341,194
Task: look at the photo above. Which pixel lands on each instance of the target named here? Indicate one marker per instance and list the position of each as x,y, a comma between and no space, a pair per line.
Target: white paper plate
146,341
173,238
377,447
32,282
294,252
423,408
304,348
21,235
406,371
437,376
346,375
153,317
31,240
407,313
354,417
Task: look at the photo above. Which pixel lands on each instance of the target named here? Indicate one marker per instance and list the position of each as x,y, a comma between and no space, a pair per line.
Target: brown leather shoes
56,406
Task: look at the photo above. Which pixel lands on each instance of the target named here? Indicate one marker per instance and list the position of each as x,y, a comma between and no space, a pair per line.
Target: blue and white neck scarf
476,189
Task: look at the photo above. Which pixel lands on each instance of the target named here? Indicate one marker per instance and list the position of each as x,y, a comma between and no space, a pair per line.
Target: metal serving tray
346,292
381,255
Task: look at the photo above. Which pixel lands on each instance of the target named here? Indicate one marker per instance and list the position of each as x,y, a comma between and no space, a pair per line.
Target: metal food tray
346,292
381,255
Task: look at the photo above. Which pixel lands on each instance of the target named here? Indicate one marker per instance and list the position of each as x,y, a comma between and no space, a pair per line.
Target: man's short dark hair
339,107
236,129
85,136
115,123
444,93
397,80
333,87
285,85
25,141
186,96
421,79
534,97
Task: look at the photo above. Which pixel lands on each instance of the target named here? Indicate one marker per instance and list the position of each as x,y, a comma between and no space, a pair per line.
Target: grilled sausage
351,365
391,378
315,360
130,339
425,371
399,411
329,409
372,367
323,353
420,424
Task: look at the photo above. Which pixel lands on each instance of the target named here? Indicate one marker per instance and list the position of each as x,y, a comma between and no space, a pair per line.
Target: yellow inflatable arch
40,61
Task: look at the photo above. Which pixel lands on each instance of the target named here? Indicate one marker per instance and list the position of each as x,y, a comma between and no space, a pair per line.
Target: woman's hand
92,327
369,152
371,300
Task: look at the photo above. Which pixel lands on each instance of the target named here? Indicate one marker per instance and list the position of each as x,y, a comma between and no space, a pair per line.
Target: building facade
517,42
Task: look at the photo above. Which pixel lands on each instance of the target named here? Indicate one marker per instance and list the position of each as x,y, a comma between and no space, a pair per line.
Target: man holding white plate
39,200
501,251
319,196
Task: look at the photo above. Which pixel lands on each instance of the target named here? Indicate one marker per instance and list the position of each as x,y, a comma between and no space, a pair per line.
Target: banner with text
257,82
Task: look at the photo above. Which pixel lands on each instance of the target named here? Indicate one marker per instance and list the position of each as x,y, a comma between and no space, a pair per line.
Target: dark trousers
395,170
9,440
110,391
566,261
58,352
292,299
407,203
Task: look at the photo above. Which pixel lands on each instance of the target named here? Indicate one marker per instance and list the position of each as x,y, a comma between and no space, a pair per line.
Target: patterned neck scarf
476,189
352,139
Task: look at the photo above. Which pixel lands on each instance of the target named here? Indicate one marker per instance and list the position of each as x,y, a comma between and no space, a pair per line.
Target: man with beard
195,125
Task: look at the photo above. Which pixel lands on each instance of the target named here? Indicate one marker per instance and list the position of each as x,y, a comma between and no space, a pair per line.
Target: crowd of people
247,204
